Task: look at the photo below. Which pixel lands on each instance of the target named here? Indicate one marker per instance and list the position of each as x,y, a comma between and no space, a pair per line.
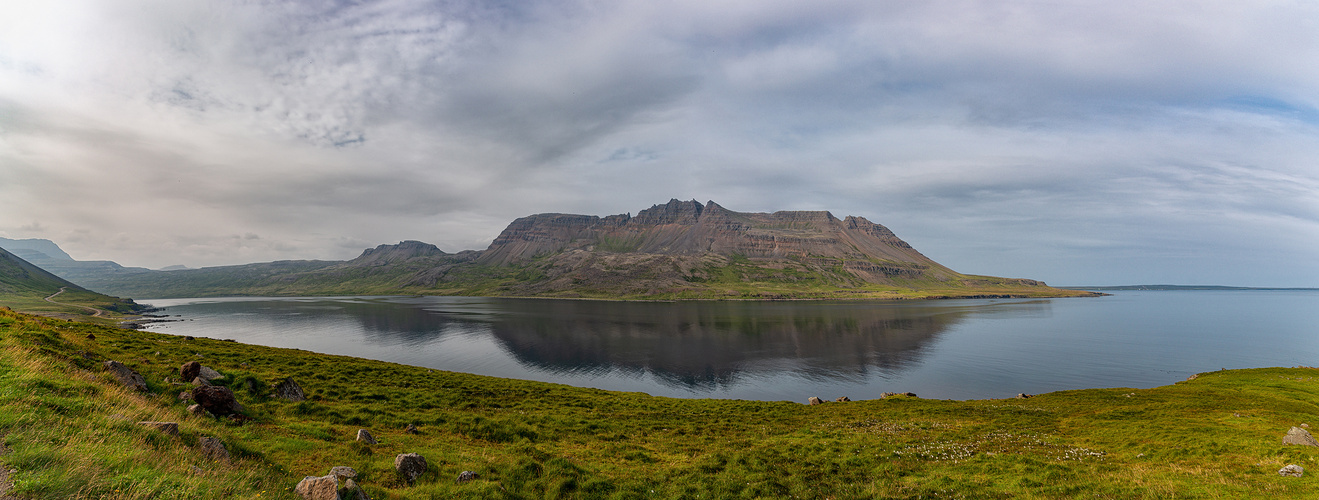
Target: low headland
72,428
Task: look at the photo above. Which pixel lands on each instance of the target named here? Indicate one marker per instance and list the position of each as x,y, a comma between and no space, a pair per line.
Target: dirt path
95,312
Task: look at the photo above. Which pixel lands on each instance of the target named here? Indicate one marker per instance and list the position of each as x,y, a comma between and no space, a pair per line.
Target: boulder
190,370
410,466
318,488
352,491
843,399
467,475
125,375
217,400
343,472
1297,435
290,390
364,436
212,448
1291,471
199,380
209,374
814,401
171,428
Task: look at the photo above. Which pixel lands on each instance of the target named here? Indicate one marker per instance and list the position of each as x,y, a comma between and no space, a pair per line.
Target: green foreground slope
70,432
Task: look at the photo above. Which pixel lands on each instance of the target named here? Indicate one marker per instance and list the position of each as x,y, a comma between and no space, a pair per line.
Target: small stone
1299,436
185,396
343,472
91,337
411,429
1291,471
364,436
1193,376
212,448
171,428
467,475
814,401
190,370
131,379
1022,395
197,410
188,337
290,390
318,488
410,466
843,399
1305,426
198,381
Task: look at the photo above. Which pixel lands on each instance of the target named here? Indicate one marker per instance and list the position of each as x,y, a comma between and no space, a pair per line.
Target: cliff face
688,228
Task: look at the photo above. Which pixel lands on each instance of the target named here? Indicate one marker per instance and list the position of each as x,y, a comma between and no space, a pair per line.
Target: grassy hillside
25,287
70,432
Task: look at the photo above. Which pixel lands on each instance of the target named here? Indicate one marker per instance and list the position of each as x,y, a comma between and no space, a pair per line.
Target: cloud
1030,139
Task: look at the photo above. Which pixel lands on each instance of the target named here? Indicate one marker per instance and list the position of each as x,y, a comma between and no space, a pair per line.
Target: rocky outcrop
290,390
125,375
1299,436
410,466
217,400
318,488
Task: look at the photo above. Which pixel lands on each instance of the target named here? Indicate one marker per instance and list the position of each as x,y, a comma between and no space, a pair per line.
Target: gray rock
125,375
411,429
343,472
1291,471
410,466
814,401
1297,435
352,491
364,436
209,374
190,370
843,399
200,381
198,410
171,428
212,448
290,390
1022,395
185,396
318,488
467,475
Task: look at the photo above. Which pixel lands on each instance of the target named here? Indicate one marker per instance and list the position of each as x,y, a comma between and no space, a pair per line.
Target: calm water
955,349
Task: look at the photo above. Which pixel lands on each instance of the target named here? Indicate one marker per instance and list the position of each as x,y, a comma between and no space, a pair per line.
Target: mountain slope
26,287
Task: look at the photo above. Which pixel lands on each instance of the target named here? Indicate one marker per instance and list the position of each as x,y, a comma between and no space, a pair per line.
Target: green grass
71,432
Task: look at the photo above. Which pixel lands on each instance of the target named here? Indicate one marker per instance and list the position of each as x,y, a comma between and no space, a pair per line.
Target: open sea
946,349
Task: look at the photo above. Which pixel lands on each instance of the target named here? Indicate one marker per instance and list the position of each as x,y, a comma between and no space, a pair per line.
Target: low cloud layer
1079,144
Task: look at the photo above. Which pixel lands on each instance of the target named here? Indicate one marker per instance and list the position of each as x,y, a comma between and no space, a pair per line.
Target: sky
1079,143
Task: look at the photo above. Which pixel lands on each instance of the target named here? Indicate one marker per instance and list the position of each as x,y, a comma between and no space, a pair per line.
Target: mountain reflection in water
703,345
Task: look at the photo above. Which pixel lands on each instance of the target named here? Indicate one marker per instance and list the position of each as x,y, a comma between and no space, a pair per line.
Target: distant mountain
47,255
1175,287
25,287
678,250
32,247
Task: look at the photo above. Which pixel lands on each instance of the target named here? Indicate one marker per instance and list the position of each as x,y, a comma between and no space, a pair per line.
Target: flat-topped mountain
677,250
865,249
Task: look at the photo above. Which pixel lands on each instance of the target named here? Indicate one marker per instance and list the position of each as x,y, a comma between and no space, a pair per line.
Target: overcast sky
1073,142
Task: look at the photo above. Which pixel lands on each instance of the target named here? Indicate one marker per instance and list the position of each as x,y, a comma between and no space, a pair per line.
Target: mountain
677,250
32,247
49,256
25,287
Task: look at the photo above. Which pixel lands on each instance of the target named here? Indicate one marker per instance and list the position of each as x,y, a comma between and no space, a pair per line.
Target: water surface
958,349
